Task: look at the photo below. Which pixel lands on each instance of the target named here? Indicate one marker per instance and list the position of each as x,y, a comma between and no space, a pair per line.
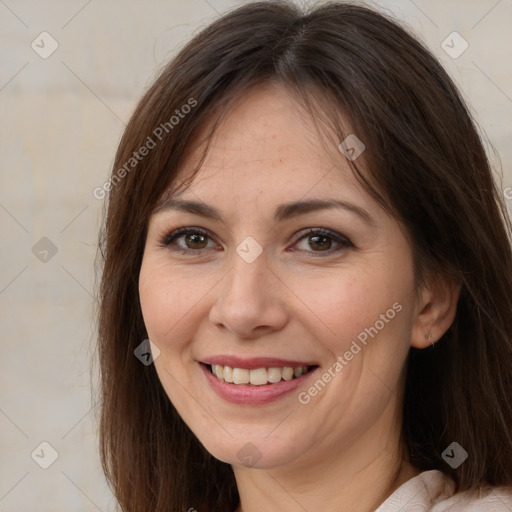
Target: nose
250,300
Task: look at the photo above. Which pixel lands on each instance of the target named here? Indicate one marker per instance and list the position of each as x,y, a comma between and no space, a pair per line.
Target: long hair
425,163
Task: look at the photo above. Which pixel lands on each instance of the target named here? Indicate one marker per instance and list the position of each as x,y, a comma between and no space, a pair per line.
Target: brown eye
321,243
187,240
319,240
195,241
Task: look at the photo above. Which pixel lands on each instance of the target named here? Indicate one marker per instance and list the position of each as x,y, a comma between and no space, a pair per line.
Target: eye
321,241
191,240
187,240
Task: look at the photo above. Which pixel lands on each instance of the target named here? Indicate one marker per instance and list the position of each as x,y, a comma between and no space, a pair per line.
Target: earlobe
437,307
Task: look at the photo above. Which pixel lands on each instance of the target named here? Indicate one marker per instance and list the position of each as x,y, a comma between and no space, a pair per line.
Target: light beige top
433,491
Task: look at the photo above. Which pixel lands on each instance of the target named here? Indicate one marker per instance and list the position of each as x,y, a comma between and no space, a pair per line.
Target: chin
259,454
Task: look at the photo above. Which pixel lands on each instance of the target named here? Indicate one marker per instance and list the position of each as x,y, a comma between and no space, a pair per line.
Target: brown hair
428,167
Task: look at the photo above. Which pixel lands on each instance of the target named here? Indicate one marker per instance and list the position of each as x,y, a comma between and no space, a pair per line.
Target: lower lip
250,394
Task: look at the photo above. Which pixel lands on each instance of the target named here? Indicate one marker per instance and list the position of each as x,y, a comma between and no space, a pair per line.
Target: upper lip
254,362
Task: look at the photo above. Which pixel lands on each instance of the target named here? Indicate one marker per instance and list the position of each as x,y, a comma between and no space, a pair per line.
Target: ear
436,309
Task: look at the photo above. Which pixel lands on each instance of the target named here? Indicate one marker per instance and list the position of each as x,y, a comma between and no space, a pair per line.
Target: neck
273,492
355,479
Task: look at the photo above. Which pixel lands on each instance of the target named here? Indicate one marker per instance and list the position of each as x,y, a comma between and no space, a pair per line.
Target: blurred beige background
70,75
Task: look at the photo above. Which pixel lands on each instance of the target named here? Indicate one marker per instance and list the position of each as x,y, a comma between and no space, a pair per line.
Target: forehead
266,141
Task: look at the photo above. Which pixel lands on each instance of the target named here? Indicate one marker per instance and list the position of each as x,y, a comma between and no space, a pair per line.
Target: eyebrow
282,212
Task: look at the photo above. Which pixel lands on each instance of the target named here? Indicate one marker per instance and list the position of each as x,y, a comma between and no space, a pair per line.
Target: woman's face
287,263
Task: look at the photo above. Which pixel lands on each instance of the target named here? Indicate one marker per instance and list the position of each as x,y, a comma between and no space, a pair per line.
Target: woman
302,219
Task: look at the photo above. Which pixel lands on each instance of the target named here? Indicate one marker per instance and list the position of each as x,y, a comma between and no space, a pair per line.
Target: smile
266,380
257,376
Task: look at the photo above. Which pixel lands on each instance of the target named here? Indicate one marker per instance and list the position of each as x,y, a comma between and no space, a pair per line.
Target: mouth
256,380
258,376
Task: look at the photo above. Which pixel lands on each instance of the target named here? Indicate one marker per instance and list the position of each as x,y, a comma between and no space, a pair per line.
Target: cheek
170,299
160,306
347,303
365,317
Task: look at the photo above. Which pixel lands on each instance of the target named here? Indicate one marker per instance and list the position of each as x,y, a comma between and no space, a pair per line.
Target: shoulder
433,491
495,499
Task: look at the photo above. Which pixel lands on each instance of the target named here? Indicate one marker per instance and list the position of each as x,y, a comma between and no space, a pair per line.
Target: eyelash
344,243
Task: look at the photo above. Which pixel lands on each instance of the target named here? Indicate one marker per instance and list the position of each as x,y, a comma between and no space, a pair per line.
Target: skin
342,450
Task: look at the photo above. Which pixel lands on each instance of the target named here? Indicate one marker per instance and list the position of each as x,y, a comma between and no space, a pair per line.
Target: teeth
219,371
274,374
240,376
258,376
287,373
228,373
